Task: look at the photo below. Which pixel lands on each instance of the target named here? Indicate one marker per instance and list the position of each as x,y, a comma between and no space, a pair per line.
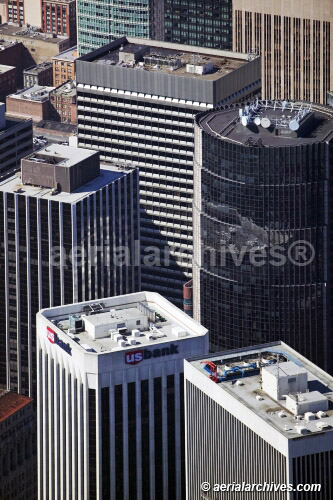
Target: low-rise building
18,465
64,66
33,102
40,74
41,47
63,103
15,142
7,81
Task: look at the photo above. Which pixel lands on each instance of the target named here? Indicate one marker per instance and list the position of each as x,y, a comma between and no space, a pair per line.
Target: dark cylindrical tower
262,227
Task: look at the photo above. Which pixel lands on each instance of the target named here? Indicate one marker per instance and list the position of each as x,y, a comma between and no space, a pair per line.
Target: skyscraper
295,40
136,103
204,24
112,371
62,221
258,419
263,178
99,23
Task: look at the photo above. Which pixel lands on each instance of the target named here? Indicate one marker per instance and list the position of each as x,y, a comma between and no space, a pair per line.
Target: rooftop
65,156
270,123
108,174
168,58
298,402
10,403
66,128
13,122
4,68
15,31
38,68
67,89
34,93
68,55
120,323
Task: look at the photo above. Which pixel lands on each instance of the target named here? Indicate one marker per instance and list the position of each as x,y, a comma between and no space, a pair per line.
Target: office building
15,141
64,66
113,373
261,416
18,465
295,40
63,223
99,23
136,103
263,175
204,24
33,102
39,74
59,18
7,81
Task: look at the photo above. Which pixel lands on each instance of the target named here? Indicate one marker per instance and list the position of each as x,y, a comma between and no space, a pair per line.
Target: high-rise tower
263,226
65,224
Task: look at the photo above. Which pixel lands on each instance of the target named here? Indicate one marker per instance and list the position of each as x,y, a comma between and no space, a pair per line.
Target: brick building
40,74
64,66
33,102
18,464
59,17
63,103
7,81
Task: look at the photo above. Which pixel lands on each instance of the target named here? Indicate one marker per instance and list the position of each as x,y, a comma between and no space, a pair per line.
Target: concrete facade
119,398
295,40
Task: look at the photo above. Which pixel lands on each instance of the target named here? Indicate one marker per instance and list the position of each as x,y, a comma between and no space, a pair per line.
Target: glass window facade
205,24
99,23
256,201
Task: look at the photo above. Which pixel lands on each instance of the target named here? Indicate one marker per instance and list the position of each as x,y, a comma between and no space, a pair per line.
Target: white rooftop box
292,379
306,402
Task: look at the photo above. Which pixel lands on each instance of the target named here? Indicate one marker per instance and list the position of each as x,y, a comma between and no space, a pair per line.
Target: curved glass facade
262,251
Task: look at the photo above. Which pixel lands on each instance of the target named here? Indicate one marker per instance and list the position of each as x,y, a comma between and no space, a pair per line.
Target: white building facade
110,410
258,417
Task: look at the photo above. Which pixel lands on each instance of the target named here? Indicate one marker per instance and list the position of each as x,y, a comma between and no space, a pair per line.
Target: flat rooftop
15,31
68,89
38,68
34,93
271,124
247,389
4,68
108,174
14,122
68,156
223,61
155,320
68,55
